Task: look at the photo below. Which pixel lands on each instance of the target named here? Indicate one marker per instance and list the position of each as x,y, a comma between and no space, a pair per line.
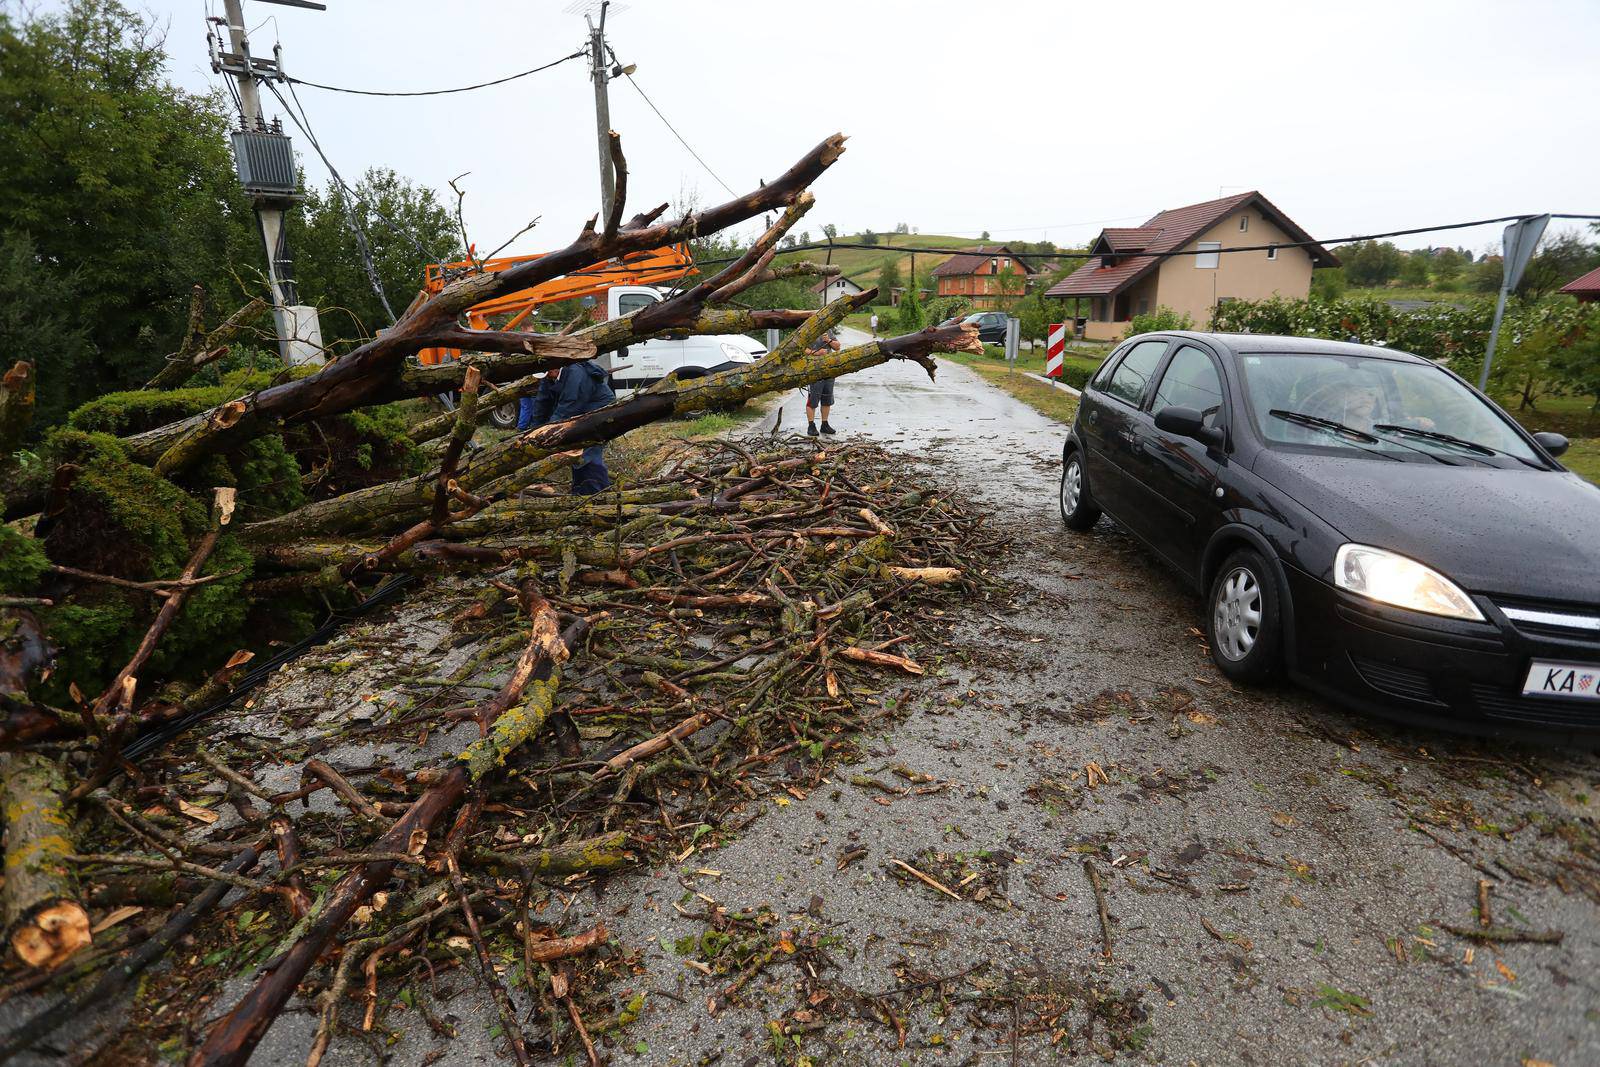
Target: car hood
713,343
1520,532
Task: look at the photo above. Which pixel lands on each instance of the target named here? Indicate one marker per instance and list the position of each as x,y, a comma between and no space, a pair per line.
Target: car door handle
1127,435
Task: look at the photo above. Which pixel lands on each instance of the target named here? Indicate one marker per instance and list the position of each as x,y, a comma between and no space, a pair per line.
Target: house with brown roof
989,277
1585,287
1133,269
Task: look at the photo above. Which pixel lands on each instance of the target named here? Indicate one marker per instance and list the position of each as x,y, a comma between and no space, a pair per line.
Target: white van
647,362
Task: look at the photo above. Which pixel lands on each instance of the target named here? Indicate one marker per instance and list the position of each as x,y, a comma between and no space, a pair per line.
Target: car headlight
1391,578
735,354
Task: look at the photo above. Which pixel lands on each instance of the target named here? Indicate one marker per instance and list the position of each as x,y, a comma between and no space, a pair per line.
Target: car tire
1242,618
1078,510
504,416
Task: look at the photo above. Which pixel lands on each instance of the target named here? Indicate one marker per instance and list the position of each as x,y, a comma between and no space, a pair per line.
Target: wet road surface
1277,873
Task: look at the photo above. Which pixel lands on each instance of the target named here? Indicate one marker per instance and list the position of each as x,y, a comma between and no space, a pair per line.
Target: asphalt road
1277,873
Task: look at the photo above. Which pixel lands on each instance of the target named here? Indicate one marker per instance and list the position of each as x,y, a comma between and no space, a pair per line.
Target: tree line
121,195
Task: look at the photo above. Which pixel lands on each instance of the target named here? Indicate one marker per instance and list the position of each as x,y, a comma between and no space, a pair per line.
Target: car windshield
1383,407
972,318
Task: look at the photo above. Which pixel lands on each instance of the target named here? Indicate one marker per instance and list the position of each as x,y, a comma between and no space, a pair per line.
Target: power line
1176,252
434,92
349,208
679,136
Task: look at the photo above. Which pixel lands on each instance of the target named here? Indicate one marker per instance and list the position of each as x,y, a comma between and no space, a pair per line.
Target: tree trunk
44,922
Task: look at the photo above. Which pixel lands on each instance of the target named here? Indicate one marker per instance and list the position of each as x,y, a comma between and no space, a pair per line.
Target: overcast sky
1027,119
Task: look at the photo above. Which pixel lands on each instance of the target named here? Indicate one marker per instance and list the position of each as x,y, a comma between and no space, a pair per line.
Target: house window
1144,305
1209,255
1004,264
1244,223
1272,252
993,265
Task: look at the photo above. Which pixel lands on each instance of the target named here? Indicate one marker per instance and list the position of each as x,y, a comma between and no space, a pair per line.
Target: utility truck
619,287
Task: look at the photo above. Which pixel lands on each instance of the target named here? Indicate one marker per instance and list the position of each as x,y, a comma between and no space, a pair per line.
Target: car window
1133,373
628,303
1191,381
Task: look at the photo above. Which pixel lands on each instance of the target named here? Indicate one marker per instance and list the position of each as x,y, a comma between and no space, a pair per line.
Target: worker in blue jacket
565,392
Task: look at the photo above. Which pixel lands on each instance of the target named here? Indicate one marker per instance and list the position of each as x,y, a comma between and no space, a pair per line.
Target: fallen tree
117,581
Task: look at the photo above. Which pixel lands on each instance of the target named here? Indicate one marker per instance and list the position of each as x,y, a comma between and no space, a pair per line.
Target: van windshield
1395,408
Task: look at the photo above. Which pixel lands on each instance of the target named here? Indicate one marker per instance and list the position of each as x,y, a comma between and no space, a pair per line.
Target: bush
22,563
911,316
1328,283
947,307
1162,318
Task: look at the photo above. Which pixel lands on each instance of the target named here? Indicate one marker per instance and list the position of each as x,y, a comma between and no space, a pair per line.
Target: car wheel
1078,510
1242,618
504,417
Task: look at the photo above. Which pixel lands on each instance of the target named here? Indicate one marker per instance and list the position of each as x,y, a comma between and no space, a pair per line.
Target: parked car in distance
1357,516
647,362
991,326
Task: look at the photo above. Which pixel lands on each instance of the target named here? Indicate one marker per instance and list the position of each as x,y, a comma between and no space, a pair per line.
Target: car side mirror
1187,422
1553,443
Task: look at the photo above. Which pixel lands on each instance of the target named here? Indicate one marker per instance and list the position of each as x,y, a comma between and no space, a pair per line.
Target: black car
991,326
1357,516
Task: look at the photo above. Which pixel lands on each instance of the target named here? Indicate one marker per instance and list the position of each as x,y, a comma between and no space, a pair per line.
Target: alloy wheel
1071,487
1236,615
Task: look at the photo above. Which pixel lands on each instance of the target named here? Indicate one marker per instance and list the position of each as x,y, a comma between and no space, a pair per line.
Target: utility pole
265,162
602,108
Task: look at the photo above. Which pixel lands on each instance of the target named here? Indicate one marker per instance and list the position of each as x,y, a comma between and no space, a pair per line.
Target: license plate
1577,680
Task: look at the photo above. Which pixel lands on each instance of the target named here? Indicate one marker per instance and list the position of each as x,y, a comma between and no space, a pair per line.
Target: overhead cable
434,92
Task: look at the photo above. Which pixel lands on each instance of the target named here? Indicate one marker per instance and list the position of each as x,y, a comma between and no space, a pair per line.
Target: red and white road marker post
1055,353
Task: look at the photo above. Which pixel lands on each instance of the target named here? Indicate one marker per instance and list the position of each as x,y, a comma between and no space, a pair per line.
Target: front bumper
1440,672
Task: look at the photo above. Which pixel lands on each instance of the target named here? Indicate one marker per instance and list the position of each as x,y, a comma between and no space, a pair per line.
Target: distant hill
861,265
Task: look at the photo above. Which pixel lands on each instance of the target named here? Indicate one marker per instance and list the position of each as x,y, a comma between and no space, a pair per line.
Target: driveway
1277,874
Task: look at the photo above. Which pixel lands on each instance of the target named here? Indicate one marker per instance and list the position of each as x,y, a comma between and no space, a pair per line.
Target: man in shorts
820,394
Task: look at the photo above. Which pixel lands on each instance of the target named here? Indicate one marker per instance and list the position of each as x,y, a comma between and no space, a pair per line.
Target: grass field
861,265
1583,458
1046,399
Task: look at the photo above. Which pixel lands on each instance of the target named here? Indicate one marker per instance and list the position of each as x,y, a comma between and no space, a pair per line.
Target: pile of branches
705,637
229,542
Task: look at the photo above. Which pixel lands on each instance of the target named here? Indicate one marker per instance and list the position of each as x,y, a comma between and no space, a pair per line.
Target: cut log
44,921
879,659
925,575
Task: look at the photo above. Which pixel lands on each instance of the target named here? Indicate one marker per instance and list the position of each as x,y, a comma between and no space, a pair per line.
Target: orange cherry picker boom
665,264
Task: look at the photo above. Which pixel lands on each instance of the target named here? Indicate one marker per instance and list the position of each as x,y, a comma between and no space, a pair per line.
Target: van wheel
504,417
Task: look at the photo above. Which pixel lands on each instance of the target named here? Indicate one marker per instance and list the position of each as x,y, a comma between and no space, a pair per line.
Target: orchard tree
889,279
1559,259
1371,263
